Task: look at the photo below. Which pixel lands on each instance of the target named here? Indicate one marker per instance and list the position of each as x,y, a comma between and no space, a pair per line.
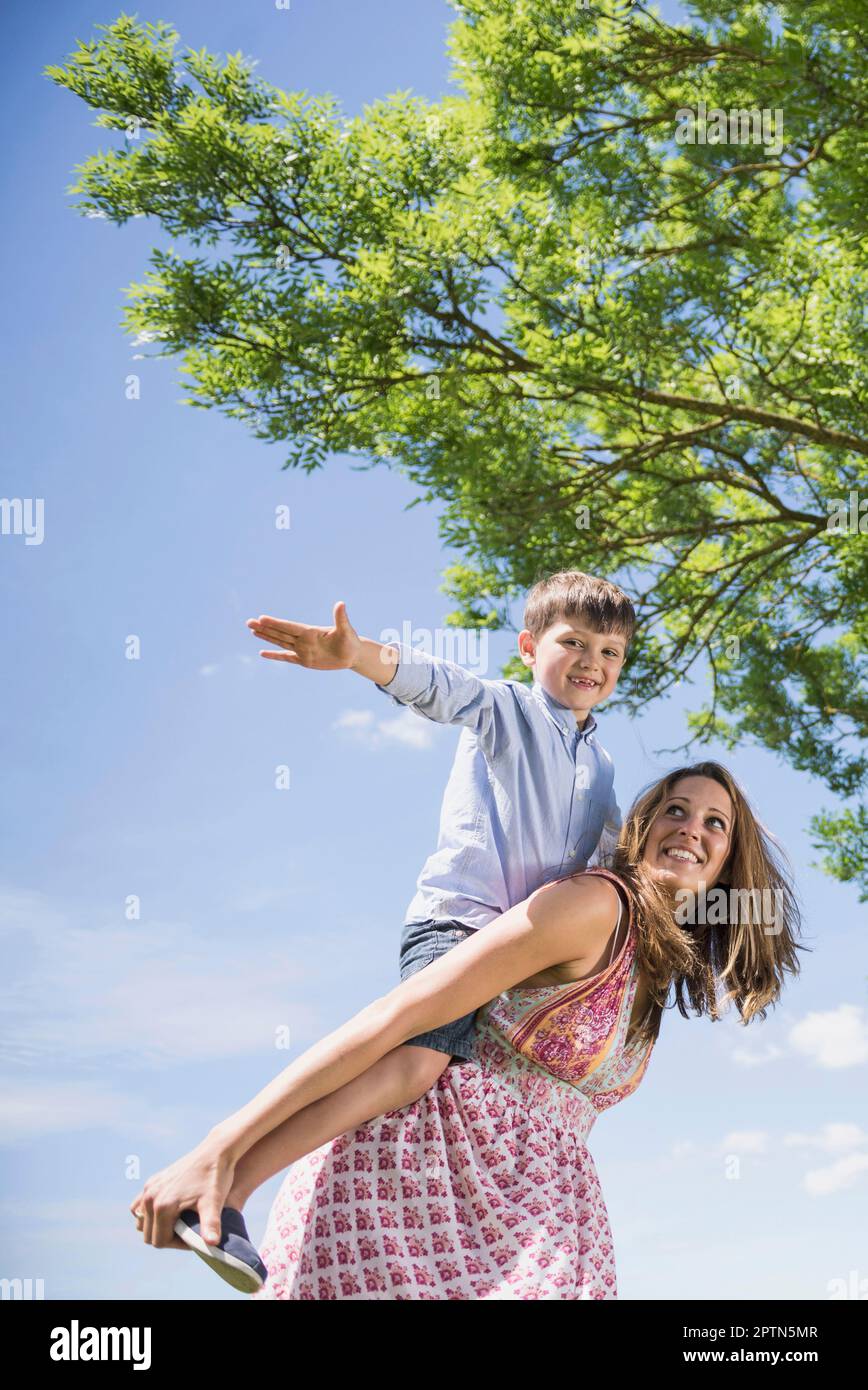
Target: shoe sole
233,1270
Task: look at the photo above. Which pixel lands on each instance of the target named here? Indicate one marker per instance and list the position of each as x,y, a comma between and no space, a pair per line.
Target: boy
528,798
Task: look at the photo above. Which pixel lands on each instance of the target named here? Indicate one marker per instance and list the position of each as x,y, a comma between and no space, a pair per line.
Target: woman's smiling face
691,835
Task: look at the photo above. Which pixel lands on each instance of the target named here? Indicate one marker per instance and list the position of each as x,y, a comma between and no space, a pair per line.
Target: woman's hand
201,1179
321,648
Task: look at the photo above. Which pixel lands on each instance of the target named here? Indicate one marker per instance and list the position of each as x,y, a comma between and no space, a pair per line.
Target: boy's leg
397,1079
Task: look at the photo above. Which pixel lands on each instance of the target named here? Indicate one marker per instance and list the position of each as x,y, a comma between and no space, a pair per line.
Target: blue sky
738,1169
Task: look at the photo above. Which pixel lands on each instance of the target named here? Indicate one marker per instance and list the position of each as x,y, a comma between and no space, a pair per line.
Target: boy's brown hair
572,594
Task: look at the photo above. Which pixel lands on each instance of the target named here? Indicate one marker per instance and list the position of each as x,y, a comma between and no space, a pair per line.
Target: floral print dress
484,1187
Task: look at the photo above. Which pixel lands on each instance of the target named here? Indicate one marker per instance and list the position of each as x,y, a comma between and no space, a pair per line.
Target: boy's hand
321,648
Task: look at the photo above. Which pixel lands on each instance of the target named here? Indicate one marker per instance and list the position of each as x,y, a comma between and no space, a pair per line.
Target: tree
608,306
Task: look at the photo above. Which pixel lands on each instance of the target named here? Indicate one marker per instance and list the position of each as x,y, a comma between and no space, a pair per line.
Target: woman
484,1188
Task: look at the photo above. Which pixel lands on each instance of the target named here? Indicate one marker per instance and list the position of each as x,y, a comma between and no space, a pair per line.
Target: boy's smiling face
576,666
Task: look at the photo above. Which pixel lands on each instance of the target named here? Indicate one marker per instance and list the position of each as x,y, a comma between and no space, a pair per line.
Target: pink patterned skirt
482,1189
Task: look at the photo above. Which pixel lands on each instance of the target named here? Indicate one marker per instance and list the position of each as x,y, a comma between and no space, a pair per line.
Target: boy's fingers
289,642
269,624
283,656
285,647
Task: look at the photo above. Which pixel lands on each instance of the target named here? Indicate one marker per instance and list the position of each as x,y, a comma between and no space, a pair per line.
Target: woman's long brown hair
741,956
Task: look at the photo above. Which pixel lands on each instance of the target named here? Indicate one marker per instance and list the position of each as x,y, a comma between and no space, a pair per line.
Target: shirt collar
563,717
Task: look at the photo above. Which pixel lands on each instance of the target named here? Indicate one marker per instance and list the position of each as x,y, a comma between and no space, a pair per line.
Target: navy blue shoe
235,1258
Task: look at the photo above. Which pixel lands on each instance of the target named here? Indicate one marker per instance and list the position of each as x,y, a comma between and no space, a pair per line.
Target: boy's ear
527,646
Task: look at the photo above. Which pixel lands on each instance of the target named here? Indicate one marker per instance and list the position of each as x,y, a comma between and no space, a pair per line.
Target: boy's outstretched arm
432,687
337,648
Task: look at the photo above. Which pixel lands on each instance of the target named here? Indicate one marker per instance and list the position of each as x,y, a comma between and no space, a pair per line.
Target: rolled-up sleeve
440,690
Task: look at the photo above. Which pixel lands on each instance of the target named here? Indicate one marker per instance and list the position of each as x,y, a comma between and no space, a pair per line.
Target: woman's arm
564,921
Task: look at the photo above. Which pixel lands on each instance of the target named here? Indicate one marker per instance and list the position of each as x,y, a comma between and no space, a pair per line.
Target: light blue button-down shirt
528,797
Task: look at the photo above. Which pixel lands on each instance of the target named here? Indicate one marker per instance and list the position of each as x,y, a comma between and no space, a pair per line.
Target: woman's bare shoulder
575,914
597,895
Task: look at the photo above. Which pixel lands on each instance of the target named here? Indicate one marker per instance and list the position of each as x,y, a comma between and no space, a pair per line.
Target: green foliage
845,837
536,298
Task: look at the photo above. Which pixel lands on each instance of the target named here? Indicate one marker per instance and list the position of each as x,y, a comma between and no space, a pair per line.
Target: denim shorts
422,943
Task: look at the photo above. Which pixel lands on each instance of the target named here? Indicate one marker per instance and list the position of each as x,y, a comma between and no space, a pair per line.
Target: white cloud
146,994
835,1137
836,1038
745,1141
845,1173
407,728
37,1109
354,719
208,670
